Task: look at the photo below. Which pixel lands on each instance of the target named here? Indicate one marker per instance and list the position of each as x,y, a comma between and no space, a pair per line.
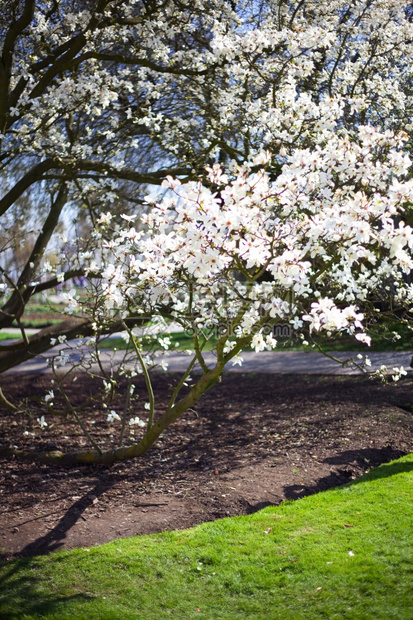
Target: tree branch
133,60
34,175
6,60
40,342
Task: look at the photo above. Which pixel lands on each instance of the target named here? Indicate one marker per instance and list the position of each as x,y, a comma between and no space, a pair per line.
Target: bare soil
253,441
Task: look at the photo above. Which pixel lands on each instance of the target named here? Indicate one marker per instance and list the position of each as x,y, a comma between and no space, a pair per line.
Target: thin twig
125,411
198,350
146,375
4,401
72,410
181,383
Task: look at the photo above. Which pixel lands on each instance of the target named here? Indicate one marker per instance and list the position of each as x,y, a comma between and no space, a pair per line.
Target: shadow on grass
387,470
23,591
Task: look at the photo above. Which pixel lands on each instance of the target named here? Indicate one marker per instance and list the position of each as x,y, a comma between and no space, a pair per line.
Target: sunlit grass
345,553
7,336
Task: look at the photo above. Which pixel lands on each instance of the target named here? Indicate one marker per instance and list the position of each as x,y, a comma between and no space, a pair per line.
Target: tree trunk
108,457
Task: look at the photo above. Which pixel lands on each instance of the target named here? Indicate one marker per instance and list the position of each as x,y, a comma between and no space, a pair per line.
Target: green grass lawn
184,341
346,553
6,336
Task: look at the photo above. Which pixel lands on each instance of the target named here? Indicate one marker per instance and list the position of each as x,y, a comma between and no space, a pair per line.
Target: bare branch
6,60
32,176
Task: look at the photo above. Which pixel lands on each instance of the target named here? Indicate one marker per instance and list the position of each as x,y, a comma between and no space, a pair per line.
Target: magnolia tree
292,124
92,94
328,247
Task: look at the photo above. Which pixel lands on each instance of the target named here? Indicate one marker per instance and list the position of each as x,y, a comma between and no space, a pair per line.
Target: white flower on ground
113,416
137,422
49,396
42,422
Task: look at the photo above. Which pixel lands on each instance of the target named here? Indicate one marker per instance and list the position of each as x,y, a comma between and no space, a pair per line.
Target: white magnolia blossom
72,301
397,373
49,397
113,416
315,230
136,421
59,339
287,198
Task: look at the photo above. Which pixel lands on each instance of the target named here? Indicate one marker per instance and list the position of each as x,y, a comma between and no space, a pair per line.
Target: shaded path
273,362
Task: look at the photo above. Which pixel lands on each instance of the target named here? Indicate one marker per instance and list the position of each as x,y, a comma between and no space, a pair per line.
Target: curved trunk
108,457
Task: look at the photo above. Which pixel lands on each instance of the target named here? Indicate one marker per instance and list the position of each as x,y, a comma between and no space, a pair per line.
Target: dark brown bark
32,176
19,352
6,59
73,327
14,307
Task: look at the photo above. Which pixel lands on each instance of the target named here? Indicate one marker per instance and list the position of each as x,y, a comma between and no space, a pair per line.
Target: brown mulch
253,441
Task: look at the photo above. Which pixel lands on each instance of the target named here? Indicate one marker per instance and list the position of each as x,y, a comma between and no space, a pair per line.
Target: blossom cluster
311,246
305,218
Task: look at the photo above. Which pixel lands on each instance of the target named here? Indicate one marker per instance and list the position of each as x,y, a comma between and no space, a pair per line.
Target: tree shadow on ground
372,456
250,429
53,540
